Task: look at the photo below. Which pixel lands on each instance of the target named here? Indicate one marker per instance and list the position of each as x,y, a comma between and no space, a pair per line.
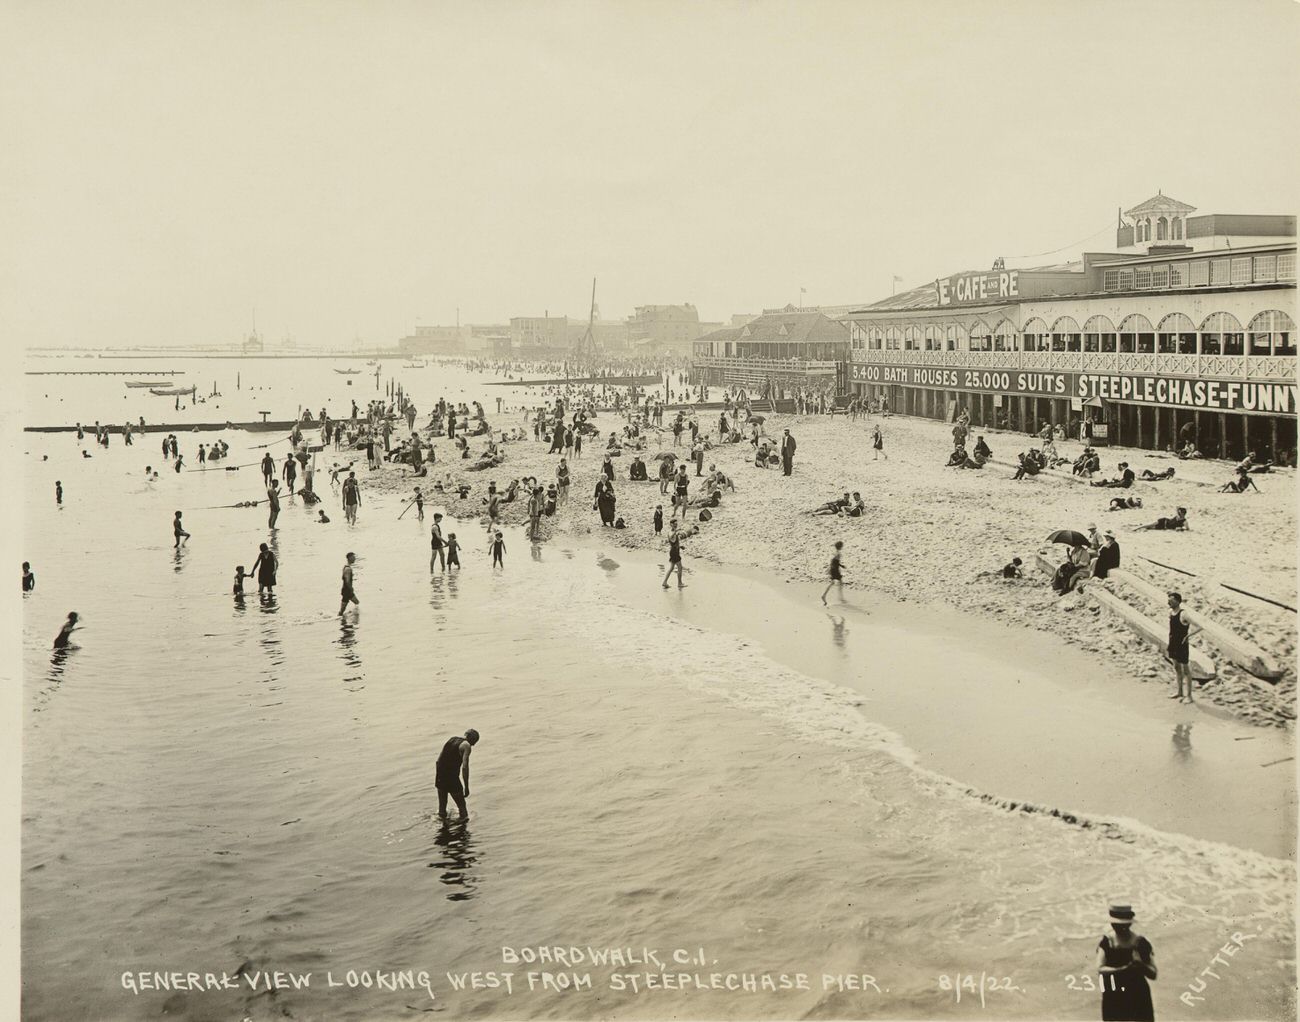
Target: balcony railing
1253,367
765,365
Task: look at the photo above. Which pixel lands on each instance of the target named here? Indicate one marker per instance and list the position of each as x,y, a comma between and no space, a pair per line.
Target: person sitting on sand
957,458
1027,466
637,470
1124,503
1177,523
1009,570
982,450
1241,484
1189,451
1154,477
855,508
1124,480
833,507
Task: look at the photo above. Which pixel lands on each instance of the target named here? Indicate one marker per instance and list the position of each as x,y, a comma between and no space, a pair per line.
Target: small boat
348,372
171,391
148,383
414,365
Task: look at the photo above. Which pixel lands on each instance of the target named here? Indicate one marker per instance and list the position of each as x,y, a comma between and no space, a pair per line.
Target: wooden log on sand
1201,666
1240,651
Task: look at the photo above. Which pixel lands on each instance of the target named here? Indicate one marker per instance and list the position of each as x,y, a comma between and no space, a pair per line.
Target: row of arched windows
1220,333
1166,229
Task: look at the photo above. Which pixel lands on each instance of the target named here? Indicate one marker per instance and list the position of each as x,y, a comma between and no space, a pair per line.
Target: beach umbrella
1068,537
758,418
665,456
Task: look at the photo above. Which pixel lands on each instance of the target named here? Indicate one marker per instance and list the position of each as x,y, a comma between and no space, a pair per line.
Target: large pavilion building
1186,330
787,348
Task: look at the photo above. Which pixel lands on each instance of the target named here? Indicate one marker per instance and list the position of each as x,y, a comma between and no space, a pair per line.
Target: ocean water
246,789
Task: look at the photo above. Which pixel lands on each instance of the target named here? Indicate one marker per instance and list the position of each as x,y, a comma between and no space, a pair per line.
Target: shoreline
926,533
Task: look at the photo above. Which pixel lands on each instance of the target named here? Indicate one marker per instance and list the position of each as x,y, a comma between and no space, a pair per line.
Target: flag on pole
803,290
898,279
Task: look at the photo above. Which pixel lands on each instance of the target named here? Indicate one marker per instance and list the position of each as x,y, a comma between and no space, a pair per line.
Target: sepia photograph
649,510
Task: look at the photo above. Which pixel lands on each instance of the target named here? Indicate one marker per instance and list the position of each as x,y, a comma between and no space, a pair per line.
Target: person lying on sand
1154,477
833,507
1178,522
1124,503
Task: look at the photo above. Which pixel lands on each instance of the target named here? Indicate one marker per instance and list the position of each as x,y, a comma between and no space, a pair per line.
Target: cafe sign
973,288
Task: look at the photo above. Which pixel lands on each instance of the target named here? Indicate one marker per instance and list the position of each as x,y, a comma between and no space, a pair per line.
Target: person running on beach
58,492
348,595
65,633
674,555
265,567
1179,649
178,530
268,467
497,545
29,579
878,444
436,543
453,551
351,498
836,572
451,772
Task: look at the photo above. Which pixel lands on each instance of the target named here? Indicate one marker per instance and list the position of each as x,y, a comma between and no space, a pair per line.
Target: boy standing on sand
836,571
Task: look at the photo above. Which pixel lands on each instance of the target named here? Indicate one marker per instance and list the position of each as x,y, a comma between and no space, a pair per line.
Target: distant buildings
665,329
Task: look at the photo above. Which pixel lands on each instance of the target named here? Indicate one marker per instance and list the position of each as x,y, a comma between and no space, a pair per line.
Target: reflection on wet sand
1182,738
457,860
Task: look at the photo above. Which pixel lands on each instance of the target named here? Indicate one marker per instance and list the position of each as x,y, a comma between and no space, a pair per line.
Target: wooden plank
1201,666
1240,651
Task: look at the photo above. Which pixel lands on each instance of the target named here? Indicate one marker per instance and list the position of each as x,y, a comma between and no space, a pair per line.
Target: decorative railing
765,365
1255,367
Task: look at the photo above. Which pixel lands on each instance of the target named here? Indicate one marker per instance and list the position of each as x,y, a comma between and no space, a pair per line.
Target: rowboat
172,391
147,383
348,372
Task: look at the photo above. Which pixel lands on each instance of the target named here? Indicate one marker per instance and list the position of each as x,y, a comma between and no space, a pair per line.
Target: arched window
1005,336
1035,335
1066,335
892,338
1272,333
1221,334
933,342
954,337
980,337
911,337
1135,334
1099,334
1162,229
1178,228
1176,335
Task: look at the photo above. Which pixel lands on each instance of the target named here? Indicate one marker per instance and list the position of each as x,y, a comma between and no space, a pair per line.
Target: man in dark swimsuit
1179,649
436,543
347,593
451,772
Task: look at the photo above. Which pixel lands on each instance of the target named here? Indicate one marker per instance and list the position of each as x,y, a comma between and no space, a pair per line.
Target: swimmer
323,519
240,575
29,579
61,640
349,596
178,530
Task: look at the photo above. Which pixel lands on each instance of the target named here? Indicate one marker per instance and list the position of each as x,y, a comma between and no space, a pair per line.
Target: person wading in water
451,773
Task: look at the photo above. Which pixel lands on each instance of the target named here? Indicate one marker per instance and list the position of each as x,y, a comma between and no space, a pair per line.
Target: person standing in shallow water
1179,649
451,772
265,567
65,633
348,595
1125,961
836,572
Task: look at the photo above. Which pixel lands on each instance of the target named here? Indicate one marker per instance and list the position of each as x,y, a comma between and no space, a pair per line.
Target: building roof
924,297
784,327
1159,203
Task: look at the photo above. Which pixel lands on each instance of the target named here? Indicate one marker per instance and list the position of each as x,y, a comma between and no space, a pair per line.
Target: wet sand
1026,722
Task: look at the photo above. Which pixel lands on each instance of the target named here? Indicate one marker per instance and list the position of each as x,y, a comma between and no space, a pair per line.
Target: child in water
498,548
240,575
453,551
323,519
419,504
178,530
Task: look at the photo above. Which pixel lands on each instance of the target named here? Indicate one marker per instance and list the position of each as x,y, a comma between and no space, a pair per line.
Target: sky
173,172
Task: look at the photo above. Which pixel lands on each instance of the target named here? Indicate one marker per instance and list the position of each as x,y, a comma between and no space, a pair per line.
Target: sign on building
973,288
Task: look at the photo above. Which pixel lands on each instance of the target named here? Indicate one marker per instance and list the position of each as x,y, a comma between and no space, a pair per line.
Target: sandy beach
930,531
